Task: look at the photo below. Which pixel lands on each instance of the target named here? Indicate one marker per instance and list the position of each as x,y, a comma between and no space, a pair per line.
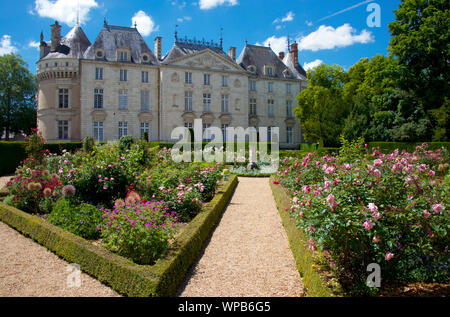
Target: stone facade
116,86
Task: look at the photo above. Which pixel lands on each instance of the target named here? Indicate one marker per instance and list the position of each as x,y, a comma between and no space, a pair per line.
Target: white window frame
270,108
289,135
123,99
252,85
270,87
224,81
145,100
123,128
145,127
188,78
252,104
188,101
289,108
144,77
207,79
63,130
63,98
206,102
99,73
123,75
225,104
98,98
98,131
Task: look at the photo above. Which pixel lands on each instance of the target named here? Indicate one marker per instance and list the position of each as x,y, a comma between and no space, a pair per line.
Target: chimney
158,43
42,46
281,55
294,52
232,53
56,36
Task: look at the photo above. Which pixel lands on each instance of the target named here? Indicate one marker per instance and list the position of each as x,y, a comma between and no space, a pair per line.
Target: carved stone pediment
188,117
99,115
206,59
290,122
207,117
145,116
226,118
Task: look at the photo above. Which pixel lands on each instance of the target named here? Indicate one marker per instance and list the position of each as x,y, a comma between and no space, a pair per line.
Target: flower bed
365,207
130,195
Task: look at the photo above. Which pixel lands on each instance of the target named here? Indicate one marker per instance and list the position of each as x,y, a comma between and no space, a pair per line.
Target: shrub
376,208
79,218
88,144
140,231
125,143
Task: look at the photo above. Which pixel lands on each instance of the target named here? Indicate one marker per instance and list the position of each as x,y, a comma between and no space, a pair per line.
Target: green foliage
420,40
321,107
139,231
125,143
88,144
35,147
81,219
17,96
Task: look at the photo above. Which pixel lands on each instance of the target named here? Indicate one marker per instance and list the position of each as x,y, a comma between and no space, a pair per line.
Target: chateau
118,86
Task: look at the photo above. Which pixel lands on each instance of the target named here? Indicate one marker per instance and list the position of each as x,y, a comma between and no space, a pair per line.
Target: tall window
207,79
224,81
188,100
123,129
206,132
269,71
123,75
225,104
63,98
289,108
145,127
224,132
98,98
188,125
145,100
252,109
98,73
123,99
289,135
98,131
252,85
188,78
288,88
270,87
144,76
207,102
270,110
63,129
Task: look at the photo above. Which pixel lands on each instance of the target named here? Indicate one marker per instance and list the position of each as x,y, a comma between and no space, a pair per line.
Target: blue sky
328,31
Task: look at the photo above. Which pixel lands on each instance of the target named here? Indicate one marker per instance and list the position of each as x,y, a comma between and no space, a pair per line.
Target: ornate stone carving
175,78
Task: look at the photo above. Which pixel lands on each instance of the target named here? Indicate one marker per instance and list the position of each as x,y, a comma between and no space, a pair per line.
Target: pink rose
373,207
330,199
438,207
368,225
389,256
376,215
426,213
376,173
377,162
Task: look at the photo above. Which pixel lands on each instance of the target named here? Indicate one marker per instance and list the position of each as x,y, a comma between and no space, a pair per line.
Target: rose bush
374,208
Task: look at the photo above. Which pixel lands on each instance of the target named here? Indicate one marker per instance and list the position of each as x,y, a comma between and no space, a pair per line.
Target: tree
17,96
321,107
421,42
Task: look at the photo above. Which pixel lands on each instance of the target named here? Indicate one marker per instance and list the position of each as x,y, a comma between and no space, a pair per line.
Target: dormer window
268,70
252,69
145,58
287,73
123,56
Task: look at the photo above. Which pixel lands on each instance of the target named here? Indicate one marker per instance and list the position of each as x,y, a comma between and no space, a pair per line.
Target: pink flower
376,215
99,180
389,256
373,207
438,207
377,162
275,182
368,225
112,178
426,213
376,239
330,199
122,158
431,173
105,187
376,173
327,185
306,189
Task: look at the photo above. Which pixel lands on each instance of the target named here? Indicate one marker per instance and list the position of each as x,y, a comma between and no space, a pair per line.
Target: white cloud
308,23
278,44
279,27
6,46
209,4
65,11
289,17
311,65
144,22
34,44
186,18
327,37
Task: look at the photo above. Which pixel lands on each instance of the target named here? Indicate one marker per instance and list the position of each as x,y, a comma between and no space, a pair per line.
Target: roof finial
42,36
105,23
78,12
245,42
135,24
289,45
221,38
176,33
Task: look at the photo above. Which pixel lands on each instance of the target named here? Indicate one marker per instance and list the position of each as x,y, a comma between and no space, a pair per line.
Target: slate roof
73,45
113,37
186,47
259,56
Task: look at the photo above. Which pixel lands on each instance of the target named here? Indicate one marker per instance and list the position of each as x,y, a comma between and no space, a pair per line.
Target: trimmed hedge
389,147
124,276
12,153
316,285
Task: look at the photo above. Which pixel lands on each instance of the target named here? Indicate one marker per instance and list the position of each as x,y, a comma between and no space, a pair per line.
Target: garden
126,196
363,206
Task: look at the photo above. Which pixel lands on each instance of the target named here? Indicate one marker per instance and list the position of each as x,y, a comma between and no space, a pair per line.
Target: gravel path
248,253
29,269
